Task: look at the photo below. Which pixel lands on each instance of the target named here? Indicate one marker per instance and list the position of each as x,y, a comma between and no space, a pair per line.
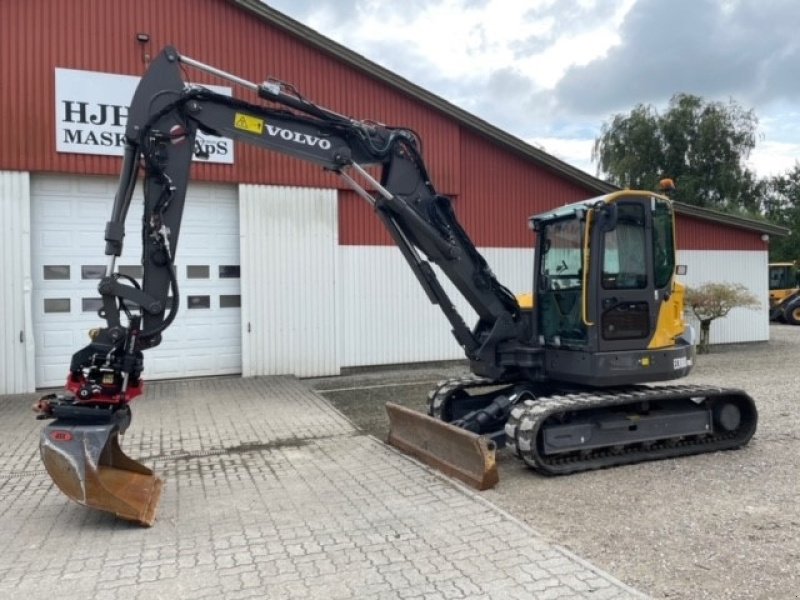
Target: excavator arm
165,116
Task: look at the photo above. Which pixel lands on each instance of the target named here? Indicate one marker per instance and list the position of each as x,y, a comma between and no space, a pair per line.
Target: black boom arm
165,116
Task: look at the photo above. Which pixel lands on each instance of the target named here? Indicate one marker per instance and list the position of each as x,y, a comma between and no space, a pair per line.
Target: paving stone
269,493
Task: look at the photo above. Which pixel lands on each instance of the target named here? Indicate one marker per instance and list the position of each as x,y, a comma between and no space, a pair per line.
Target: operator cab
603,278
783,276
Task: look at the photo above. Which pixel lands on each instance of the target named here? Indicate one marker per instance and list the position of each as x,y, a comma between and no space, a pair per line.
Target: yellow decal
248,123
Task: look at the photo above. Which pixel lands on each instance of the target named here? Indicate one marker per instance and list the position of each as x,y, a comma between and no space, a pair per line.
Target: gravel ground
722,525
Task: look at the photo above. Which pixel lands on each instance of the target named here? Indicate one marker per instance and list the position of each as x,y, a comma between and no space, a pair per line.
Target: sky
551,72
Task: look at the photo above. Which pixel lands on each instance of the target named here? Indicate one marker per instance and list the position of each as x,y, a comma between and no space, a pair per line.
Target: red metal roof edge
748,223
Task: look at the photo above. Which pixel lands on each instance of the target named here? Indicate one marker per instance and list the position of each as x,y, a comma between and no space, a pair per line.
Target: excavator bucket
87,464
456,452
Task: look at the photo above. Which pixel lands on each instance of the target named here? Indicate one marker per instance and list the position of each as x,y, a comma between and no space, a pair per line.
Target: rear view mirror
680,269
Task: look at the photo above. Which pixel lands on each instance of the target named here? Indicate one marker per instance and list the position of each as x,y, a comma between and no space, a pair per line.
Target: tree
713,301
781,205
702,145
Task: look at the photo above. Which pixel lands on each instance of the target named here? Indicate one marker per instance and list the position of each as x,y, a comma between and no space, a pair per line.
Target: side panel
733,266
386,318
289,241
16,329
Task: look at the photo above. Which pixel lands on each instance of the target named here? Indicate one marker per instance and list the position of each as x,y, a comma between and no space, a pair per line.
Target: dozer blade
456,452
87,464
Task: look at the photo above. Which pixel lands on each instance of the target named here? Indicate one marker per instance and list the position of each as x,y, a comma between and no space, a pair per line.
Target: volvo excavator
558,375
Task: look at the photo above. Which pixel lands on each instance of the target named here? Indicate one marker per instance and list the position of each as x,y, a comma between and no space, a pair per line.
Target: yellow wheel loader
558,375
784,292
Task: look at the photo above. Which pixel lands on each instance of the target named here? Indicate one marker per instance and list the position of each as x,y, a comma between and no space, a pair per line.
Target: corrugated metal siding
288,278
500,191
386,318
726,266
358,223
38,35
699,234
16,329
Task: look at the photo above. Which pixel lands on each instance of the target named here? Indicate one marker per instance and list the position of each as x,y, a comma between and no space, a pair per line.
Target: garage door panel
57,207
94,186
89,208
230,363
68,226
194,333
57,339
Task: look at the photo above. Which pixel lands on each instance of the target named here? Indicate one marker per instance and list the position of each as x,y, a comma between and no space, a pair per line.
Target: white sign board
92,110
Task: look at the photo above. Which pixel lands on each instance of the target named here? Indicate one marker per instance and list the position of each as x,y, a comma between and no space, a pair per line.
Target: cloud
713,48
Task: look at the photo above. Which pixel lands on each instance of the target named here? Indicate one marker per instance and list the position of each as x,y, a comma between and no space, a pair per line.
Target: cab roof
582,206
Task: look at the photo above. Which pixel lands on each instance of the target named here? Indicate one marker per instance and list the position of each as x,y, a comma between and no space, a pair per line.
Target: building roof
752,224
476,124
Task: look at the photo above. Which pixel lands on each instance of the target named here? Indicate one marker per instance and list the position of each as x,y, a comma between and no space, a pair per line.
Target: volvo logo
298,137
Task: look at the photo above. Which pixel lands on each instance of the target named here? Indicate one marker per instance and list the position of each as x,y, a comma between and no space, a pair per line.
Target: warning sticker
248,123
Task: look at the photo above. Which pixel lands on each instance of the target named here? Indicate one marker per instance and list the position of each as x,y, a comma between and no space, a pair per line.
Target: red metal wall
501,190
36,36
700,234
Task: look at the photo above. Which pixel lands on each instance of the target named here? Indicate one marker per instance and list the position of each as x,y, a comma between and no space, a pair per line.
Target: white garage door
68,217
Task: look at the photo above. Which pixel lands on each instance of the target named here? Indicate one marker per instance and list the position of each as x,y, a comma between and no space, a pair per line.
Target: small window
56,272
92,271
91,304
197,271
135,271
229,271
56,305
230,301
198,302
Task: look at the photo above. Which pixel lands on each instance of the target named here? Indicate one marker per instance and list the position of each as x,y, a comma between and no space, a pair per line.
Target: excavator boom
83,456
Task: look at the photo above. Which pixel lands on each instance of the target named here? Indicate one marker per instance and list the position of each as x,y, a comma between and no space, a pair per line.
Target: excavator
559,375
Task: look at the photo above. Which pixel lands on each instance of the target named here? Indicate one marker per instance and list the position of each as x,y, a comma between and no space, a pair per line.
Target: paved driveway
270,493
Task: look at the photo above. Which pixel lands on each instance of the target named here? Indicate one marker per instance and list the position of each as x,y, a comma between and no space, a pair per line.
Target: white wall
732,266
16,329
385,316
289,245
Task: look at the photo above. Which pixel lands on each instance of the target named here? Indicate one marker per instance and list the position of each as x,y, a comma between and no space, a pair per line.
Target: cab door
627,302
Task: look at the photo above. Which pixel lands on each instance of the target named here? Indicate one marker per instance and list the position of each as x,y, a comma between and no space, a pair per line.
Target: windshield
561,255
780,277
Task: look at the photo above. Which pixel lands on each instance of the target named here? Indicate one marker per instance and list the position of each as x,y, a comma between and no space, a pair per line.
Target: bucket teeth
88,465
456,452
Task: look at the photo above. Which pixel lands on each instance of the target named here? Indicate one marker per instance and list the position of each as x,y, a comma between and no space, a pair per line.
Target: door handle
609,302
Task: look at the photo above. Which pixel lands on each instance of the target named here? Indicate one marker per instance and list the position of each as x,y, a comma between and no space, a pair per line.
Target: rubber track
525,422
438,396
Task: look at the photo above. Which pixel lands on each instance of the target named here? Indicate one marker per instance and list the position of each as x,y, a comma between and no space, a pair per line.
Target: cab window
624,251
